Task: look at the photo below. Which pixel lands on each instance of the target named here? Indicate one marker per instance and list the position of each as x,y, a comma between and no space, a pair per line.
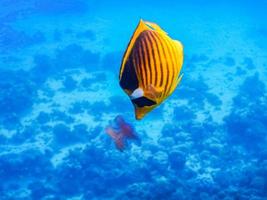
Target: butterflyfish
150,68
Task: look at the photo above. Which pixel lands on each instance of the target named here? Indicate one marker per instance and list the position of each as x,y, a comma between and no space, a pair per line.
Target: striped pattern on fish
152,63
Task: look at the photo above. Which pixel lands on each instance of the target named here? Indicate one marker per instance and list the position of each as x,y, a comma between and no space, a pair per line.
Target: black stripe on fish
159,65
165,76
143,101
153,64
148,58
129,79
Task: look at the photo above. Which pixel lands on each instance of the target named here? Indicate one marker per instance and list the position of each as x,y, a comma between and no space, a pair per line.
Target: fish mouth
141,112
139,115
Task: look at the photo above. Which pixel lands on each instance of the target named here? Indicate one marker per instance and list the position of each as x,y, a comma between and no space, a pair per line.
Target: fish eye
143,101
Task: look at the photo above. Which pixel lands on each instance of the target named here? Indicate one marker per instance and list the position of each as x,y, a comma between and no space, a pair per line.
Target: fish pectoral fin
153,93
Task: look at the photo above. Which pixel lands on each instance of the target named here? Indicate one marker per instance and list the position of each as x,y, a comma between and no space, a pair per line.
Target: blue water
59,63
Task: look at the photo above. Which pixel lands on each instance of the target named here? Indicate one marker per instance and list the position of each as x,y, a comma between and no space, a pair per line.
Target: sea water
59,89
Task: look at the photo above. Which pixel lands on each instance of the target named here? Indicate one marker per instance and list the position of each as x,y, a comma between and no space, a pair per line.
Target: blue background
59,63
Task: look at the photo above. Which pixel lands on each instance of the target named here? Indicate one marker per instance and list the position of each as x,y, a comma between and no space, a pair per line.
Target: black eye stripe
129,79
143,101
